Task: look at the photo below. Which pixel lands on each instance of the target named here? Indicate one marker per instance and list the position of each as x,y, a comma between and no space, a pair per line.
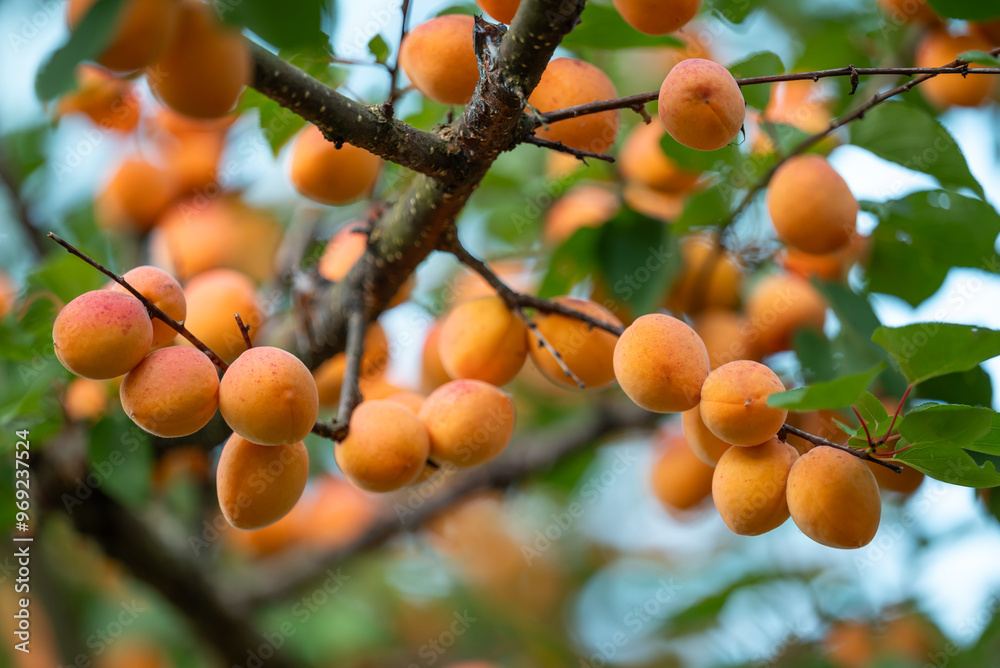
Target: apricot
386,447
657,17
185,462
700,104
140,33
726,335
378,388
483,340
734,403
110,102
193,161
653,203
412,400
680,479
707,446
8,295
905,482
567,82
501,10
938,48
749,487
269,397
824,266
811,206
469,422
135,197
587,351
561,165
330,175
439,58
709,277
661,363
800,104
432,373
820,423
334,514
833,498
173,392
166,294
259,484
329,375
86,399
779,306
582,206
642,160
212,299
850,644
909,11
203,66
102,334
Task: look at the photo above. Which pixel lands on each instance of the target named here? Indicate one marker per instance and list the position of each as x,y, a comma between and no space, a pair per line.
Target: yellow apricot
824,266
166,294
329,375
204,65
259,484
587,351
561,165
700,104
726,335
779,306
749,487
653,203
850,644
110,102
567,82
709,277
433,374
378,388
834,499
707,446
642,160
8,295
469,422
102,334
909,11
86,399
330,175
483,340
191,148
811,206
135,197
734,403
439,58
661,364
412,400
657,17
938,48
581,206
386,447
269,397
501,10
905,482
173,392
333,514
680,479
140,33
344,250
212,299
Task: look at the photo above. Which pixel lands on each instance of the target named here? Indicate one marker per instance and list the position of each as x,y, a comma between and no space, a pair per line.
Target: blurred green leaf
277,123
293,24
980,58
573,261
603,27
930,349
121,461
970,10
694,160
757,64
639,259
787,137
948,442
833,394
734,11
57,75
705,208
378,48
972,388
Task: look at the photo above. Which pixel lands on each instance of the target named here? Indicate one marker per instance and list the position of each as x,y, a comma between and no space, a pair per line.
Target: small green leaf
571,262
639,258
757,64
378,48
787,137
697,161
930,349
293,24
733,11
706,208
870,408
970,10
277,123
86,41
952,443
980,58
839,393
603,27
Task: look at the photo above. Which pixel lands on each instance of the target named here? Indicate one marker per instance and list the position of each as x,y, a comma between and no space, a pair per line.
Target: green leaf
639,258
276,122
909,136
89,38
786,137
755,65
970,10
571,262
708,207
121,460
930,349
870,408
980,58
603,27
947,441
920,237
378,48
293,24
972,388
833,394
734,11
693,160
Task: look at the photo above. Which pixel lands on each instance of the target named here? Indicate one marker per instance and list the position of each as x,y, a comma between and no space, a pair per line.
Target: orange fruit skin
483,340
905,482
938,48
587,351
330,374
749,487
582,206
734,403
439,58
707,446
110,102
326,174
501,10
135,198
725,334
86,399
386,447
432,373
173,392
811,206
259,484
641,160
166,294
700,104
212,299
707,279
102,334
469,422
8,295
909,11
778,307
680,480
141,32
657,17
567,82
653,203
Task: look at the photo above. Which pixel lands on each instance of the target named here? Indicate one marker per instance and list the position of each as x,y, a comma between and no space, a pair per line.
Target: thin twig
544,343
389,106
350,393
787,429
864,425
21,213
895,416
562,148
244,330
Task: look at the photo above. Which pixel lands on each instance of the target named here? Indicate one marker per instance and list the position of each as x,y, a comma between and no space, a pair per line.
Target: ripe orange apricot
203,66
661,364
212,299
141,31
192,157
439,58
726,335
938,48
259,484
586,350
484,340
433,374
811,206
469,422
330,374
700,104
330,175
657,17
653,203
834,499
680,479
779,306
709,277
110,102
824,266
707,446
734,403
501,10
909,11
411,400
166,294
386,447
567,82
333,514
582,206
173,392
905,482
749,487
850,644
86,399
102,334
642,160
269,397
135,197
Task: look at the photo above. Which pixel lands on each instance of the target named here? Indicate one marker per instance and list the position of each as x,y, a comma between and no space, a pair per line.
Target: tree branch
787,429
21,213
562,148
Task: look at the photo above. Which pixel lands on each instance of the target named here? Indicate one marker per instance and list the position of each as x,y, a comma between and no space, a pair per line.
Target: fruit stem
787,429
895,415
864,425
